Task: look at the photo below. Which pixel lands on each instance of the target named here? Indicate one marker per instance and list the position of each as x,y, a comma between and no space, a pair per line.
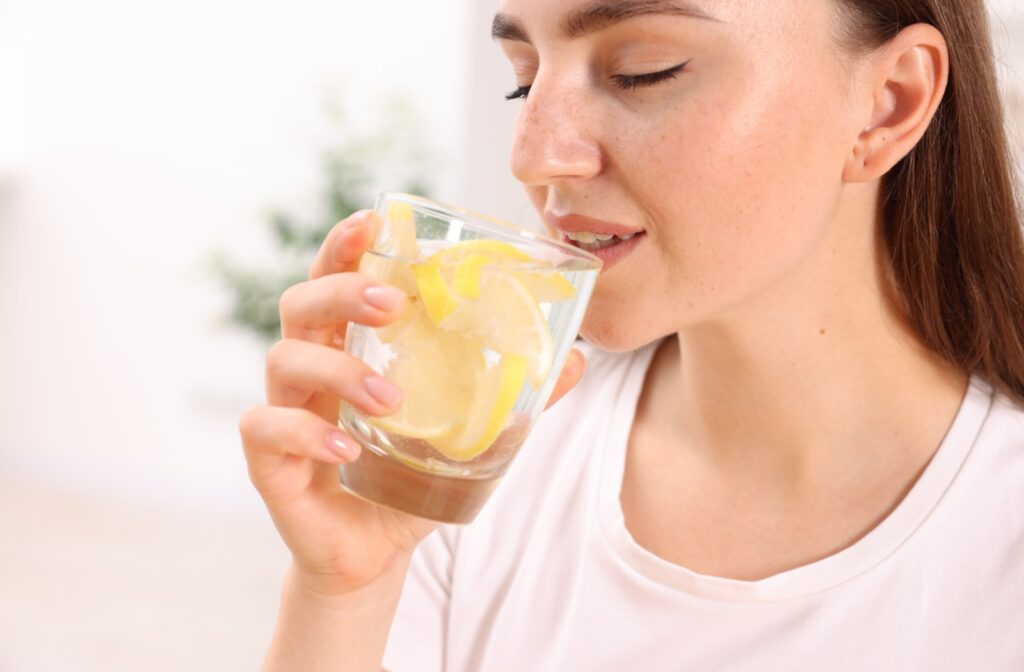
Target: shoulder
992,475
1004,427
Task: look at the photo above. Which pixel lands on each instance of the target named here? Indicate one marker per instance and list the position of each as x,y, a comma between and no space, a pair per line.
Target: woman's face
721,137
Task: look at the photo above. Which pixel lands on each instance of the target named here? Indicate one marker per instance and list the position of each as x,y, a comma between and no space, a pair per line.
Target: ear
906,84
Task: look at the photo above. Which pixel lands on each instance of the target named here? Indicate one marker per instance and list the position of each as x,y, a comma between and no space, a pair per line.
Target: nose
555,135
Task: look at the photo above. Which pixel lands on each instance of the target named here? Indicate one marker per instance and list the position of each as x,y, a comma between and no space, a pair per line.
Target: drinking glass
491,313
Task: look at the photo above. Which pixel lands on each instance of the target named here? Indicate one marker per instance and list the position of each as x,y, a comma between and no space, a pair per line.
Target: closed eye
627,82
624,82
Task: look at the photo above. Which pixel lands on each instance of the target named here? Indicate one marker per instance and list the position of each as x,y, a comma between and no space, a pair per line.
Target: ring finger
297,369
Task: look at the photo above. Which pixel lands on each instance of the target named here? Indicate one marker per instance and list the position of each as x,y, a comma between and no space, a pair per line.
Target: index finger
344,245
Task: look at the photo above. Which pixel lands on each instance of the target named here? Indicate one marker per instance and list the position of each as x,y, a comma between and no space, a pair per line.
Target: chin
617,333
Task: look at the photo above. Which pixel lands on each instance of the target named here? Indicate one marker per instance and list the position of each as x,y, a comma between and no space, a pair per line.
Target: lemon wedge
467,275
465,301
398,238
406,329
401,222
492,248
508,320
433,290
547,287
438,373
497,392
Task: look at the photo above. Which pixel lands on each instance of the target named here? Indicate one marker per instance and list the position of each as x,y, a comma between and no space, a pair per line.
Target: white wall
135,138
489,184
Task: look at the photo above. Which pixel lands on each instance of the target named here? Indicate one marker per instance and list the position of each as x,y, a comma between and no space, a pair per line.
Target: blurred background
163,168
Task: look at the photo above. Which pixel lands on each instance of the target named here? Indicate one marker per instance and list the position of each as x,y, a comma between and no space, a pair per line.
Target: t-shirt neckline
877,545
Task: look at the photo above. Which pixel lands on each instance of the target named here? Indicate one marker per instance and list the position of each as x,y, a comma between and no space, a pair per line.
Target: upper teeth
588,237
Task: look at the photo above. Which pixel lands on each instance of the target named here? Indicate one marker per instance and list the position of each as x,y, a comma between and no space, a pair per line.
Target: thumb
571,373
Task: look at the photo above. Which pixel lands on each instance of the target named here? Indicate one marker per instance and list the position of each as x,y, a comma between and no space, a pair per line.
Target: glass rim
500,229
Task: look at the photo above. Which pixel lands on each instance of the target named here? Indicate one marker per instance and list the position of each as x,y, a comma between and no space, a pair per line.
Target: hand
293,445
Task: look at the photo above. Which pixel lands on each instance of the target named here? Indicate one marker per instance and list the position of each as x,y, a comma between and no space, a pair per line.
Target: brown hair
951,223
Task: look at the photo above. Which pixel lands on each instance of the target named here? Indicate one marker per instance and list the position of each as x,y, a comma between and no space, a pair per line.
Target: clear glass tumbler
492,312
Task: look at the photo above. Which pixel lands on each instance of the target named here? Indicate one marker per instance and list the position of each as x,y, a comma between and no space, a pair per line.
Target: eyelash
624,82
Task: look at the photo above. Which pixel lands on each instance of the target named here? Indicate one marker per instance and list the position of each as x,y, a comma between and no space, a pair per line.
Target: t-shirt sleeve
417,637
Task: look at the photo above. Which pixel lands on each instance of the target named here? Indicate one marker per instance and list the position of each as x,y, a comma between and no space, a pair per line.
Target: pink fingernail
356,220
343,446
384,391
383,298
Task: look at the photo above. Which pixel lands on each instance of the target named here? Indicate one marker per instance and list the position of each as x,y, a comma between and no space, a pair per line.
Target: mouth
609,242
592,242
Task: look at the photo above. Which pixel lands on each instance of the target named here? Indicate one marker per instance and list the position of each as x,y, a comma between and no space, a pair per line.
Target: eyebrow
599,15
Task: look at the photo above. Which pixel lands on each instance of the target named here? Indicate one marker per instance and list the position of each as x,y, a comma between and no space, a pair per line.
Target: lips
579,223
609,251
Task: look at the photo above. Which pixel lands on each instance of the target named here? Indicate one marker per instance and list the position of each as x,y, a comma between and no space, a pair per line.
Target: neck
811,376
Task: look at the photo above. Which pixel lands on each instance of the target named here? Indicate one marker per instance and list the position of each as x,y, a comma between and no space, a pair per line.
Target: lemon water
477,350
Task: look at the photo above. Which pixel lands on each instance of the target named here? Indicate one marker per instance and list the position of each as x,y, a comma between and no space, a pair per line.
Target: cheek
740,188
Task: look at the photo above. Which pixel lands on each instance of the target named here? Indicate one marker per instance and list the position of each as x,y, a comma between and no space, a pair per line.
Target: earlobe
911,76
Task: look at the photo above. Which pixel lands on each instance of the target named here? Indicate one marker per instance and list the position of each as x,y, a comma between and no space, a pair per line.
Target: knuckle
288,302
249,422
277,358
254,479
345,371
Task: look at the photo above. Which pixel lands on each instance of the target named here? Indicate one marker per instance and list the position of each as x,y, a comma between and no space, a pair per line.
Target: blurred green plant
392,153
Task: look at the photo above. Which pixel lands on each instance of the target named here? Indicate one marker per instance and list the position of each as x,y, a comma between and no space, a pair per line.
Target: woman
800,440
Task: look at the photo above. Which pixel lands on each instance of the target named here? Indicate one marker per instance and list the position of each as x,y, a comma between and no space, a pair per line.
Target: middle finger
313,310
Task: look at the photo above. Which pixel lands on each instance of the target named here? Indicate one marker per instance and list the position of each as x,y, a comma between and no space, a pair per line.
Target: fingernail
356,220
384,391
343,445
383,298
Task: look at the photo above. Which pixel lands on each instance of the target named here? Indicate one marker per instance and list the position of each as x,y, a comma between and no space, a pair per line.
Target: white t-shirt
548,577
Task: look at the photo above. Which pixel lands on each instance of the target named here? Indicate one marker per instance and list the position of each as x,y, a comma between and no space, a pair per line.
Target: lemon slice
547,287
433,290
390,271
455,272
506,319
467,274
438,373
411,320
466,302
398,239
497,391
491,248
402,229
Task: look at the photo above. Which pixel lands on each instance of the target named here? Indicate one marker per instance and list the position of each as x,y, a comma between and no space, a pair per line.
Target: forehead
572,19
759,24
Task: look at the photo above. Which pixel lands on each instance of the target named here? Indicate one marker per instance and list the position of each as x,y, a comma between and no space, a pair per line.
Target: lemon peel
433,291
487,420
467,299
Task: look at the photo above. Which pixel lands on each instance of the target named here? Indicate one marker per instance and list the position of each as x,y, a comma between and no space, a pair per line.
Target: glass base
385,480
